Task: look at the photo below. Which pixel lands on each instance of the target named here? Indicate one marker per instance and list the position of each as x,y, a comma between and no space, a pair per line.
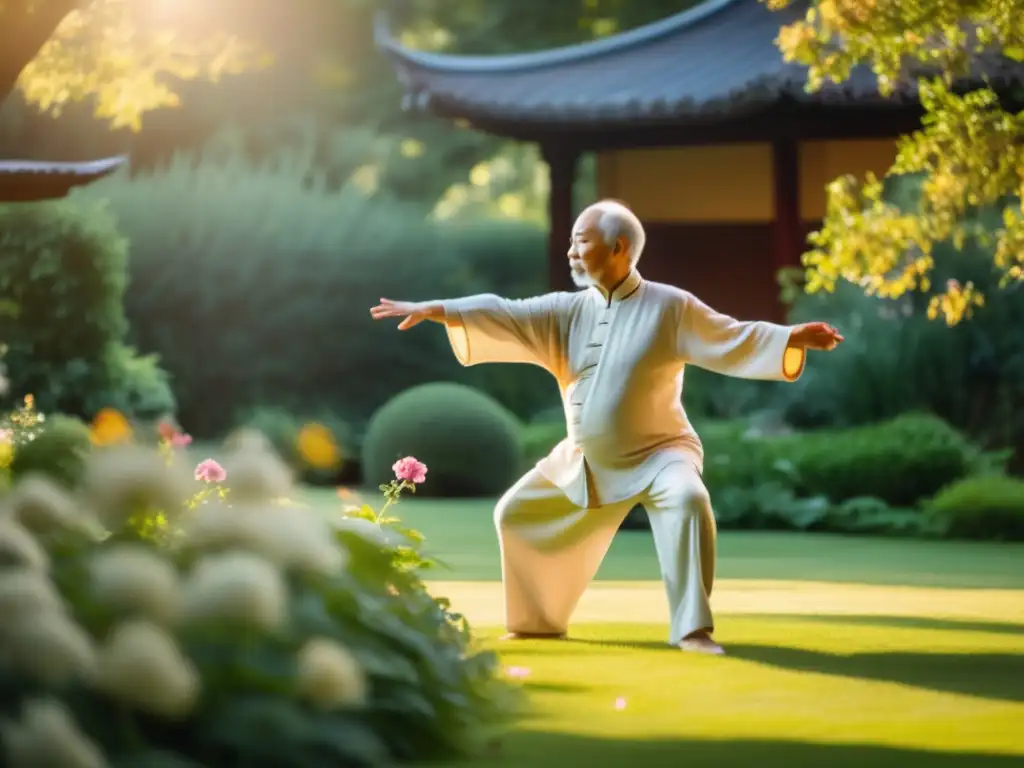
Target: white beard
582,279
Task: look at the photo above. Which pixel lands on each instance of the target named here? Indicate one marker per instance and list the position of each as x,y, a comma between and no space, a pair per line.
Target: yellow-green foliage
968,151
980,507
107,50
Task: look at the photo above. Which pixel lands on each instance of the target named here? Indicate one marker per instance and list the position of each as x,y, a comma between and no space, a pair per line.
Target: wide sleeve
746,350
489,329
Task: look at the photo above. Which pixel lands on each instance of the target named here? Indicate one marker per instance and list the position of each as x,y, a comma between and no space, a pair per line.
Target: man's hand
413,312
821,336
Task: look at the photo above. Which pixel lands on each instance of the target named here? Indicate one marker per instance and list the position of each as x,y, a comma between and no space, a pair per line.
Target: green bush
900,461
509,254
64,267
64,270
862,480
466,438
265,295
137,386
870,515
979,507
259,634
58,451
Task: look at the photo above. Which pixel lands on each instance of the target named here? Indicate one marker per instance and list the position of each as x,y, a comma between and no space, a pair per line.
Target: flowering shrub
253,631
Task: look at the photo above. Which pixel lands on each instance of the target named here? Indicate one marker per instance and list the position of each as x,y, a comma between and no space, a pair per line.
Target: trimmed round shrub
980,507
57,452
468,441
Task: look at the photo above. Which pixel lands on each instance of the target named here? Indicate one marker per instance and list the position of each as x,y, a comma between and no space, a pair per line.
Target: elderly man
617,349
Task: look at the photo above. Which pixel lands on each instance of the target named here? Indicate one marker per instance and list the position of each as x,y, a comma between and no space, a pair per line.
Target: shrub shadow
998,676
539,748
901,622
552,687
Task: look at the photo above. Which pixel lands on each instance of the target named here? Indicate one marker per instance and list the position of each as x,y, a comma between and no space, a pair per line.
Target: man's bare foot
534,636
701,642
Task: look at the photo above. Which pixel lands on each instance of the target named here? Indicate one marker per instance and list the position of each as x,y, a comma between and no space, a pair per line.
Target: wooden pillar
788,226
562,162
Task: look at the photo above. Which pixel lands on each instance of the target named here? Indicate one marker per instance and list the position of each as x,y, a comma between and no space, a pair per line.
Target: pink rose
410,469
180,440
209,471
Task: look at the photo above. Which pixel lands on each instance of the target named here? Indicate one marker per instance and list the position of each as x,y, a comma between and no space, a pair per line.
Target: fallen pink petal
620,703
517,673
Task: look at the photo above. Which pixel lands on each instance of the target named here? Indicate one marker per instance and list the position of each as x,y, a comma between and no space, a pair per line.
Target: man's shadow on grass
997,676
539,748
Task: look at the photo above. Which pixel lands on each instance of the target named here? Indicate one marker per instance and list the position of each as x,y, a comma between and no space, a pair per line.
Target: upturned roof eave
443,63
37,181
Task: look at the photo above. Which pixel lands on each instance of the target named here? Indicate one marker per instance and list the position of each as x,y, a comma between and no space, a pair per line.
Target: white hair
618,221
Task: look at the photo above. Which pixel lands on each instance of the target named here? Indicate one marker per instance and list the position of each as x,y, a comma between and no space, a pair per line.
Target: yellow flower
330,676
318,448
110,427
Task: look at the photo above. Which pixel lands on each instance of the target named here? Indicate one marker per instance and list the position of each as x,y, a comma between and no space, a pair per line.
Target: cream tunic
619,363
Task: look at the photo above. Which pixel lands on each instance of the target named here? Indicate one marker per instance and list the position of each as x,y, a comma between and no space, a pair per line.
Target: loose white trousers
551,549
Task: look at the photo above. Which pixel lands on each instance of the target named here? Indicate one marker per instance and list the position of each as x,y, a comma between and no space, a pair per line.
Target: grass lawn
842,652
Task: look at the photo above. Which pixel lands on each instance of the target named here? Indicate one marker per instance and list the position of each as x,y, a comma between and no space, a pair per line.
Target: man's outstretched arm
489,329
752,349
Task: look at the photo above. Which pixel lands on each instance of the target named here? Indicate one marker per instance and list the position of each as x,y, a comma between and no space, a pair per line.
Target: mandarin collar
622,291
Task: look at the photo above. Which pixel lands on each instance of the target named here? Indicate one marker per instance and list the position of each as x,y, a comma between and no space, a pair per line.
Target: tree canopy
127,54
967,159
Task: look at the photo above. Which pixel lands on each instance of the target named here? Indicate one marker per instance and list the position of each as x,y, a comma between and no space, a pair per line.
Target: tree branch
25,26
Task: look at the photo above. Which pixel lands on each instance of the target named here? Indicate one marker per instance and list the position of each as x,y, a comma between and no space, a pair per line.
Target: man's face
589,254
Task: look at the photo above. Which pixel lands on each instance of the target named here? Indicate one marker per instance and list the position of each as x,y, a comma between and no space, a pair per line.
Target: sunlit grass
792,692
844,652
